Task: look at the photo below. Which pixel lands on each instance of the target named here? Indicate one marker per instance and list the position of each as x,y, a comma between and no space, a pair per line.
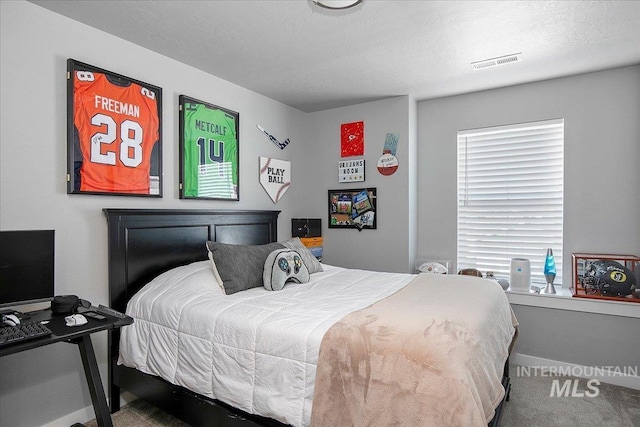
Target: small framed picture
352,139
354,208
209,155
114,133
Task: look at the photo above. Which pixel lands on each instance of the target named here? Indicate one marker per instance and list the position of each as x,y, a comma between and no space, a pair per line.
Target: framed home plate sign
275,177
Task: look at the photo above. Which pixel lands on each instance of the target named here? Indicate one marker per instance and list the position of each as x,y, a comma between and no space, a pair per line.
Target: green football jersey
210,153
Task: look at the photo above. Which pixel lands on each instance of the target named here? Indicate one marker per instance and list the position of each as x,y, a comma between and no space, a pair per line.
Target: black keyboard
22,332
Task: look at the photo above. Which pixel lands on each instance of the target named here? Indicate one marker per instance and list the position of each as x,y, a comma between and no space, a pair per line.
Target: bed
147,244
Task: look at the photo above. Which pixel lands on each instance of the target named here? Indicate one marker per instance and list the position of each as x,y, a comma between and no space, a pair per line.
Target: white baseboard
619,376
85,414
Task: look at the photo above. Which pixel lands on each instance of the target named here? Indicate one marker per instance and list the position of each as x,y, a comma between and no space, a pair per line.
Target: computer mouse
10,320
75,320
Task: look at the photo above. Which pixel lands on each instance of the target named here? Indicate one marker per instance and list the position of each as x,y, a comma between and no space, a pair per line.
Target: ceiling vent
487,63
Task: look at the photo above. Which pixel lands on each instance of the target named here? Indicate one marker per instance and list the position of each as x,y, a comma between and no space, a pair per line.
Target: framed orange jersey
114,134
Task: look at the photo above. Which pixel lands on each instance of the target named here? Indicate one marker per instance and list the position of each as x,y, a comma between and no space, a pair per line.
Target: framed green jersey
209,155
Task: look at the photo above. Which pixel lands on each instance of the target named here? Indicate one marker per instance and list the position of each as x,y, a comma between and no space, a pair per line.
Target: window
510,191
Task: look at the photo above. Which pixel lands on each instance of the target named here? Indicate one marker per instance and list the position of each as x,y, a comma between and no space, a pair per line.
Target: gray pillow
240,267
308,258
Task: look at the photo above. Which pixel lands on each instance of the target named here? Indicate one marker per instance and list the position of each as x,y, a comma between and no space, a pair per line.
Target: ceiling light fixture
337,4
501,60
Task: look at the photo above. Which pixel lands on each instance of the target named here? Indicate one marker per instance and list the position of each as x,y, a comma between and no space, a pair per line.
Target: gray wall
35,44
602,195
33,188
602,154
385,248
580,338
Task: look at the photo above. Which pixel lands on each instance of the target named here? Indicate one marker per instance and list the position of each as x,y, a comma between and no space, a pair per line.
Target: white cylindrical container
520,275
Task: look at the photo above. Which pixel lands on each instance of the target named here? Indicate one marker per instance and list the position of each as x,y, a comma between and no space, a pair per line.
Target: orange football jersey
117,127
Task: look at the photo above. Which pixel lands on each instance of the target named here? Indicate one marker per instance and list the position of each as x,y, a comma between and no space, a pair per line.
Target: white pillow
215,270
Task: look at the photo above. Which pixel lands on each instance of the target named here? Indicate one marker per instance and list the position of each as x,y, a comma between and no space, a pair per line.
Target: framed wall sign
355,208
275,177
209,155
351,170
352,139
114,133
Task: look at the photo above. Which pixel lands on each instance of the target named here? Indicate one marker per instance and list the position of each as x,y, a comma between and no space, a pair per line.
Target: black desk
81,336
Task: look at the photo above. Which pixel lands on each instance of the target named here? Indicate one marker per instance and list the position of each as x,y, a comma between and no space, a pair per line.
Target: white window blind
510,192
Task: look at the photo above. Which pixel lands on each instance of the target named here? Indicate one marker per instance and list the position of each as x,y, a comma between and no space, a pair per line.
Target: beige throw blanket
432,354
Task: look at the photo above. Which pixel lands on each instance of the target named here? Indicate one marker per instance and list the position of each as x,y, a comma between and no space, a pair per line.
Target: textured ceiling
313,59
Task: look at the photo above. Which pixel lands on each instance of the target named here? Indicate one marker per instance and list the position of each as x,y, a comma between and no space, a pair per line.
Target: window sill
563,300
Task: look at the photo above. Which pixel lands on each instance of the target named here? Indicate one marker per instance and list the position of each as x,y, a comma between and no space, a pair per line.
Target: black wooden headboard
144,243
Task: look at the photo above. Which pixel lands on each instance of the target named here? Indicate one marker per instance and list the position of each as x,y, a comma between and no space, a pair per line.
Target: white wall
35,44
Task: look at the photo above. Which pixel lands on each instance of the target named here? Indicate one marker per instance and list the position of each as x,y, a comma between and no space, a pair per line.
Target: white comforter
255,350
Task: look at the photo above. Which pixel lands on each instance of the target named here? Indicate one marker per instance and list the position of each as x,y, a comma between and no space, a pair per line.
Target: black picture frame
114,133
209,151
353,208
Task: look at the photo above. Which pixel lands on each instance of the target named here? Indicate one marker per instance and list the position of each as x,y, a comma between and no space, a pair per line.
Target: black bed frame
144,243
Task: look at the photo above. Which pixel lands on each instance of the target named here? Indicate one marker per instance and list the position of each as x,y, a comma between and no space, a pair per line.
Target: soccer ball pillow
282,266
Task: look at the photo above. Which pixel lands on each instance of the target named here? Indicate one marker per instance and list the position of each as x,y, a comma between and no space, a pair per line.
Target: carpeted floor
530,405
141,414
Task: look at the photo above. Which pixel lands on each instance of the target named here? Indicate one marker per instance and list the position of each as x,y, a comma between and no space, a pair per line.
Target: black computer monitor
26,267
